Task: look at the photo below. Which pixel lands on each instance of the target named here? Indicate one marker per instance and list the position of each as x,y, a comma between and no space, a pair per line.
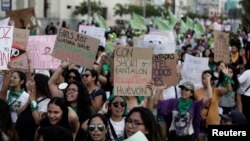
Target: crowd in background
70,104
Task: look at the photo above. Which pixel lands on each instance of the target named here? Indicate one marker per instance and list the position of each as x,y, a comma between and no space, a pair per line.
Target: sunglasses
116,104
92,127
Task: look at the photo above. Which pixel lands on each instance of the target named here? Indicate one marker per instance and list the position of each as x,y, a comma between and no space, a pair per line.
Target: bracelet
33,105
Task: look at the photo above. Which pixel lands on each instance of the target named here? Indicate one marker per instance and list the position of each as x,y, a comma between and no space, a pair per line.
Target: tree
245,17
82,9
151,10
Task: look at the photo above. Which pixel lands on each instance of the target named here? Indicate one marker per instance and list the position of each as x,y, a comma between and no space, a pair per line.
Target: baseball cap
188,85
236,117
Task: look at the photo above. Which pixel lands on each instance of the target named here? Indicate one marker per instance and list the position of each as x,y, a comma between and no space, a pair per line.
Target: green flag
189,23
137,22
172,19
102,23
199,28
162,24
183,27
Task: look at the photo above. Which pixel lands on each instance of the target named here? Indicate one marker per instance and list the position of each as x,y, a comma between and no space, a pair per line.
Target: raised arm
227,81
55,92
5,86
73,121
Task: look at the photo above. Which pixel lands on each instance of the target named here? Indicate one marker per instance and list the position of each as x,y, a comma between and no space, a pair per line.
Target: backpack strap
112,129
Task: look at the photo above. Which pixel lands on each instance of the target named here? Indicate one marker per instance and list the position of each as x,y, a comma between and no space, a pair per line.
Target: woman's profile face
54,114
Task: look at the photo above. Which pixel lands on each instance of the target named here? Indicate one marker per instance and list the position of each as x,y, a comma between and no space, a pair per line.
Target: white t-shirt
43,105
244,80
118,127
17,104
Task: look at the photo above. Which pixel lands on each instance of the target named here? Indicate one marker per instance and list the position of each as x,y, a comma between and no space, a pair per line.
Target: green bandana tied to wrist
184,105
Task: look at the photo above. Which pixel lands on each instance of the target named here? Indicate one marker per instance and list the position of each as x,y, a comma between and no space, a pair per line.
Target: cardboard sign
18,50
192,69
6,37
132,71
160,43
22,17
40,49
80,49
221,50
93,31
165,69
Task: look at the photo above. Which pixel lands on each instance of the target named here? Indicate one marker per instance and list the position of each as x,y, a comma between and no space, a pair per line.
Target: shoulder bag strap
247,89
175,89
112,130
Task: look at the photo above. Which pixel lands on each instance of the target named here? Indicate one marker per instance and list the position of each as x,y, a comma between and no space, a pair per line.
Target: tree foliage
151,10
82,9
245,17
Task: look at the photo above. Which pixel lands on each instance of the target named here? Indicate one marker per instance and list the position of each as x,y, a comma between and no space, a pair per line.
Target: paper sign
217,26
40,49
132,71
22,17
161,44
80,49
94,32
165,69
6,37
18,50
192,69
221,50
5,22
138,136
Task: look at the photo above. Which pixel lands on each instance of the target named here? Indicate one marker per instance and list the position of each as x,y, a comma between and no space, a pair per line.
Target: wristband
33,105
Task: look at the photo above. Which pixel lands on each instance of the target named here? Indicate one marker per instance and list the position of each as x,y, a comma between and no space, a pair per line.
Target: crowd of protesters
69,104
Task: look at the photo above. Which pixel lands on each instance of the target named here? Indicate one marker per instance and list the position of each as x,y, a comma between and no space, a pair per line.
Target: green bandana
227,79
13,96
184,105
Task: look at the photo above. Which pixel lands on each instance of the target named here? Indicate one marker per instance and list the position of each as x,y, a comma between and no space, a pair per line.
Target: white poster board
192,69
94,32
160,43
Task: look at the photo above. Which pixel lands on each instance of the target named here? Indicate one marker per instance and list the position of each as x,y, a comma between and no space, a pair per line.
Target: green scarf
227,79
13,96
184,105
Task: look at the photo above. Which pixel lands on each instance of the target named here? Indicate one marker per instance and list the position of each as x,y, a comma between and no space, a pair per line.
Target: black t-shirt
98,92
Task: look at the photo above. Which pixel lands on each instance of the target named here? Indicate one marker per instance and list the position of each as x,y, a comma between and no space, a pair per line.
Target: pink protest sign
6,37
39,50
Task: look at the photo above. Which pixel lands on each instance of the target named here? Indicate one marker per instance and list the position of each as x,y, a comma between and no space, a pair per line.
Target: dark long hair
54,133
22,78
42,86
149,122
78,76
64,122
84,110
5,117
104,120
